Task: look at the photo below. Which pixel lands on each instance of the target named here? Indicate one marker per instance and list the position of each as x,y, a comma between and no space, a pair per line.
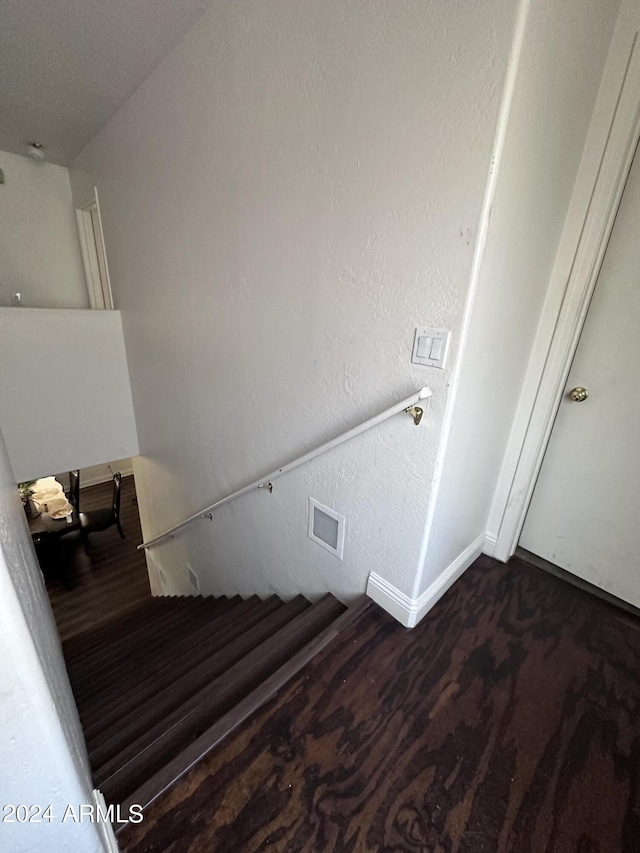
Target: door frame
94,256
609,149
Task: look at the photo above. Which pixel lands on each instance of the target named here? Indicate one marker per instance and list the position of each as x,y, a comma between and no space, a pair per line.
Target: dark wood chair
74,489
103,518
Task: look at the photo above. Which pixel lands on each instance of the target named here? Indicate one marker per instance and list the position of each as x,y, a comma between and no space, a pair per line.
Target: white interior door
585,512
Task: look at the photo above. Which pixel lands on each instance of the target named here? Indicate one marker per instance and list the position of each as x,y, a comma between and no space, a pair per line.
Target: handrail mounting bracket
416,413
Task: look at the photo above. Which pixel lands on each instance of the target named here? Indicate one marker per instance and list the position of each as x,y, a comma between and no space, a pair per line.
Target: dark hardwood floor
113,579
508,720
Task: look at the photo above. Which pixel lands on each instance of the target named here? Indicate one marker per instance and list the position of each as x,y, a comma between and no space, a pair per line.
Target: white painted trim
490,540
89,257
93,253
610,145
341,521
105,828
391,599
109,293
104,478
409,611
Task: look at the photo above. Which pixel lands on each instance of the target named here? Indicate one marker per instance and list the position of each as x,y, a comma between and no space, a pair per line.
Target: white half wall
65,395
291,192
42,753
39,243
563,54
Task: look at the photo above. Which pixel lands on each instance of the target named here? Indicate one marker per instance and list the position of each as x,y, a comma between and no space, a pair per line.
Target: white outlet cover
431,347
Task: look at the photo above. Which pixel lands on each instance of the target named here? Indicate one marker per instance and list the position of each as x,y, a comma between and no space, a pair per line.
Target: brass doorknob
578,394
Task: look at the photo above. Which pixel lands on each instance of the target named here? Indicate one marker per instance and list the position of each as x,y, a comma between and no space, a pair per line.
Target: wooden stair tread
155,712
161,678
131,695
170,677
140,637
160,781
80,645
119,776
129,656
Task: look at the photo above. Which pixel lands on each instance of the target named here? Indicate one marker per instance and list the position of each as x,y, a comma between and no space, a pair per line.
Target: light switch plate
431,347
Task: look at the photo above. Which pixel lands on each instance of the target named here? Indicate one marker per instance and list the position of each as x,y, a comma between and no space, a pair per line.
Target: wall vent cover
326,527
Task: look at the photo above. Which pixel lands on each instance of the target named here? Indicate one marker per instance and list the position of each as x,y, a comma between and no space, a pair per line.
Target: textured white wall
39,243
42,754
65,395
563,55
294,189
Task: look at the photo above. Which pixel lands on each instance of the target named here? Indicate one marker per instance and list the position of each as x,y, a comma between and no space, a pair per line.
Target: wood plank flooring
114,579
508,720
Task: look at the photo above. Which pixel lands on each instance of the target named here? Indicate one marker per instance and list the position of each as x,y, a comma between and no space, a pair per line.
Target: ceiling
66,66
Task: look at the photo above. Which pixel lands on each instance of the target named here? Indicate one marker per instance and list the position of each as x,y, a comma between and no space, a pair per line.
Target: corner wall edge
409,611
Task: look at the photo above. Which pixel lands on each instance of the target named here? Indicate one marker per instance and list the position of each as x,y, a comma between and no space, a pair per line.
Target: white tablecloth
47,490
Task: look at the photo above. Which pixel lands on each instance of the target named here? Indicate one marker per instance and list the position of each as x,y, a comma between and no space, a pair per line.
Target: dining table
51,520
43,525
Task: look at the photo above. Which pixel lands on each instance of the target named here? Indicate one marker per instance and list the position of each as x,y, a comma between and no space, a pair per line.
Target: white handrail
407,405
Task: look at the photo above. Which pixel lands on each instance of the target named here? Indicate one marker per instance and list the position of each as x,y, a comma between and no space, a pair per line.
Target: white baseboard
409,611
102,478
105,828
391,599
490,540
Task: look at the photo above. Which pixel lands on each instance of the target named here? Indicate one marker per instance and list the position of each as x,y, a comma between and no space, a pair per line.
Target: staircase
158,688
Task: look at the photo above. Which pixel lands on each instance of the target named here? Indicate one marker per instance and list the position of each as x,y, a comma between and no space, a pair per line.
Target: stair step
95,703
146,755
159,686
90,611
191,651
137,636
175,768
134,653
82,644
119,740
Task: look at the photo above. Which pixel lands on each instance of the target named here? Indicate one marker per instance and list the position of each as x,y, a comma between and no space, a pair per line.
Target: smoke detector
35,151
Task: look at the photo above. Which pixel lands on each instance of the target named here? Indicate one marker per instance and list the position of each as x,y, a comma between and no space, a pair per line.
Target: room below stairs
112,578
